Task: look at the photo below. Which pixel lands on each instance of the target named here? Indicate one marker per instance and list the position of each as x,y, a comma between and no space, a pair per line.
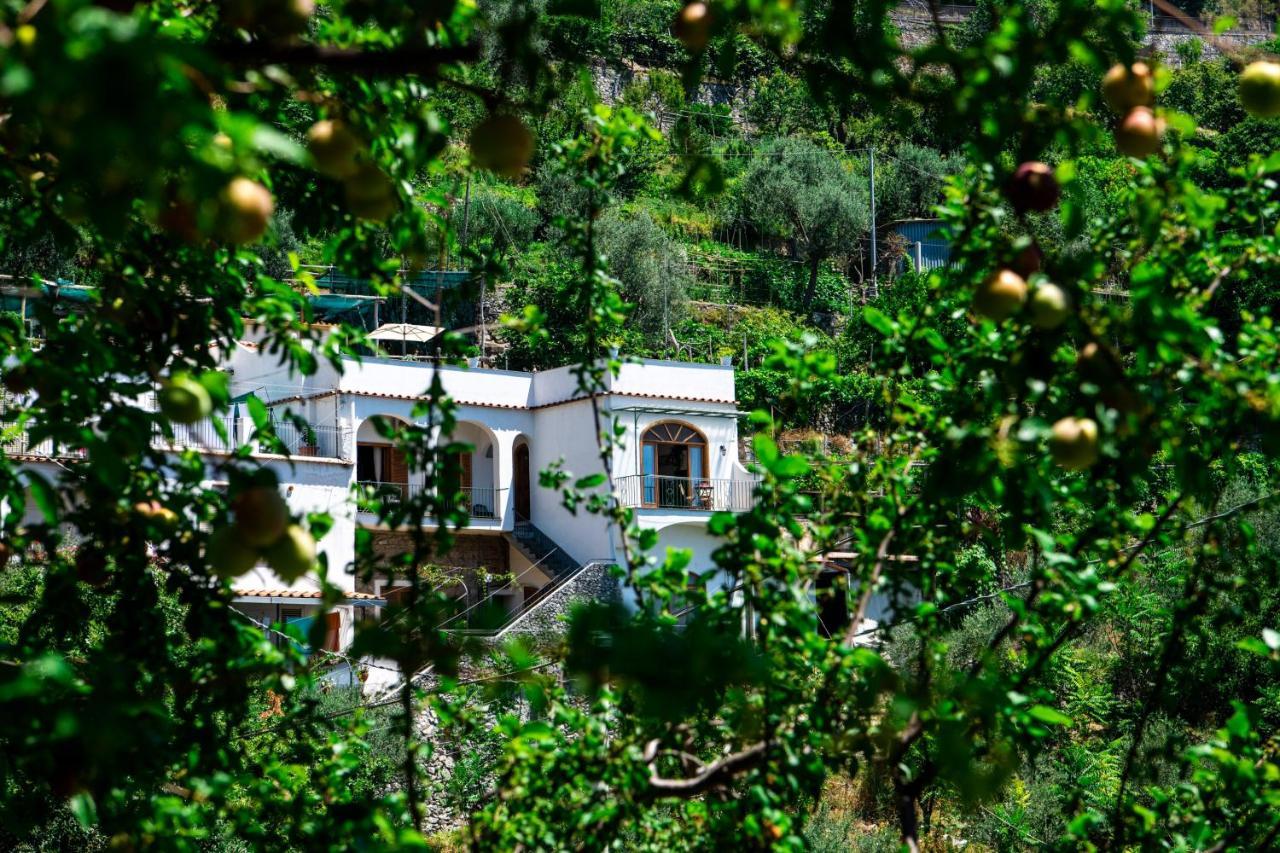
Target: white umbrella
405,332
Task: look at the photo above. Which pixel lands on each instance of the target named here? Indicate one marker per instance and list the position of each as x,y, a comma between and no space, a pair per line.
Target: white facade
516,424
503,415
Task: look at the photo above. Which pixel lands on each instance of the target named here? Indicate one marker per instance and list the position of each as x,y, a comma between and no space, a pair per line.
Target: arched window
675,465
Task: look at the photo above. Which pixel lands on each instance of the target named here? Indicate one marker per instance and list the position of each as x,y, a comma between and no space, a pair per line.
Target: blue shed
926,247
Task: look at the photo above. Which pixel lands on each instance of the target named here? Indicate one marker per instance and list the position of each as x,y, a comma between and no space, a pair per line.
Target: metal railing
317,440
20,444
372,493
698,493
478,502
204,435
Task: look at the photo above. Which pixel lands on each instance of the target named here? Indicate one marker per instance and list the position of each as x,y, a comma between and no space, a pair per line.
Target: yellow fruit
1000,295
261,515
1138,133
156,512
183,400
1124,88
502,144
1050,306
1074,443
293,554
370,194
244,210
334,148
228,555
1260,89
693,26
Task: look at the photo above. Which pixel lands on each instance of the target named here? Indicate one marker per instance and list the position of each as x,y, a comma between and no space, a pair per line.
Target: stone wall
477,551
543,625
544,622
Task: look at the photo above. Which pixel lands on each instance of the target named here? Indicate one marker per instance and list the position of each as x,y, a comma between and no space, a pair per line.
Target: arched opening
674,456
479,466
522,483
380,466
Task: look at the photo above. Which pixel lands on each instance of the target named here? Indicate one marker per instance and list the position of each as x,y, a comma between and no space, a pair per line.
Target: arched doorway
675,465
381,468
523,502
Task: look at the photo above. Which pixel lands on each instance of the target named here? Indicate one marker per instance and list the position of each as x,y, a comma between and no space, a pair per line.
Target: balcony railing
478,502
220,434
327,441
21,444
699,493
204,435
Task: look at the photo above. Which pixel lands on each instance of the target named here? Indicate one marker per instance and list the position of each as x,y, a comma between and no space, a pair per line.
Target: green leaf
1048,716
1254,646
45,496
878,320
258,411
537,730
766,450
590,482
83,807
790,466
268,140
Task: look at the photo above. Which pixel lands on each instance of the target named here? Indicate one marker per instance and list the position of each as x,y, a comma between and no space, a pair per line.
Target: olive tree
803,194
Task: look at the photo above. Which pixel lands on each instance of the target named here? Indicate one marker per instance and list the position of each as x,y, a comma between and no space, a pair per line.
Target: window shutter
399,469
332,630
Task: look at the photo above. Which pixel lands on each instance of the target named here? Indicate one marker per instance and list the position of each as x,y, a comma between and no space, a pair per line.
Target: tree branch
713,774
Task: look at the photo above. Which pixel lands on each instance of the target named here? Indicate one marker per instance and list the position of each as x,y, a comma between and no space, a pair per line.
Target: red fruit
1033,187
1138,133
1028,261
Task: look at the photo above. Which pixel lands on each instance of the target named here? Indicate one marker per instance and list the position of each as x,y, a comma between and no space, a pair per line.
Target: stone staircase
539,548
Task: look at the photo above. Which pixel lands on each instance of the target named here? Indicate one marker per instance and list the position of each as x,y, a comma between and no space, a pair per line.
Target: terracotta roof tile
301,593
477,403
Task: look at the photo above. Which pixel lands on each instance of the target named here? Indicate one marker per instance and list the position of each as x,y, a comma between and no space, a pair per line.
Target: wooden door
522,483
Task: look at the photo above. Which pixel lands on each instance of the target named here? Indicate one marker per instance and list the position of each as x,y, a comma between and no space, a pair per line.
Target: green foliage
651,269
1075,658
800,193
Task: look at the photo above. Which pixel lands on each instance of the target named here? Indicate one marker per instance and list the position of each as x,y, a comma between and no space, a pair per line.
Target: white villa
677,462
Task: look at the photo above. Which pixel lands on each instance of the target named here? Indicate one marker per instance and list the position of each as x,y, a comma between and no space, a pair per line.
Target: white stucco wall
567,433
495,410
676,380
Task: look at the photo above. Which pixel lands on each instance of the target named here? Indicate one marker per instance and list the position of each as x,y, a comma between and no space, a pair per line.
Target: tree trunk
812,288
